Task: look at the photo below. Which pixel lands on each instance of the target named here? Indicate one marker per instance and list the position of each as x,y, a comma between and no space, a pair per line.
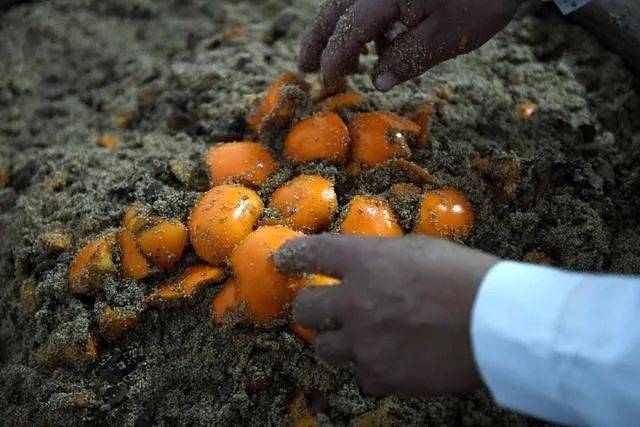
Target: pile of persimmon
236,227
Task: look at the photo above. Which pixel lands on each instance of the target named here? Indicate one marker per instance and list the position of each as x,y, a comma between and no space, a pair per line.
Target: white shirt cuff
559,345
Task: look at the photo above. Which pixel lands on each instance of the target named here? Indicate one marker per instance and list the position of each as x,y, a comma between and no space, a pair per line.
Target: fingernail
386,81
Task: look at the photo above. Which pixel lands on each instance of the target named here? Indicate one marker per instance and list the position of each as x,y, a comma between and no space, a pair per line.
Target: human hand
402,314
437,30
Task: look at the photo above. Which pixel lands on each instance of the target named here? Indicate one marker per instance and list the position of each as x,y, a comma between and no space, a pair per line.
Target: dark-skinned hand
402,314
437,30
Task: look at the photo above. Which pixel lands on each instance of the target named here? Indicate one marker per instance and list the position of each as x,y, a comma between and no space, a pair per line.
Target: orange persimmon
343,100
273,105
248,163
445,213
221,218
323,136
164,243
113,323
134,264
307,202
224,302
187,284
263,289
379,136
92,263
370,216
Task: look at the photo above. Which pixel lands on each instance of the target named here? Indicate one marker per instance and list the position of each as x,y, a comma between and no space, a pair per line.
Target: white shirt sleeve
568,6
560,346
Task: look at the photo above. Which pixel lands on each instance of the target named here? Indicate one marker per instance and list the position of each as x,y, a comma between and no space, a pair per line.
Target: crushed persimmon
445,213
274,105
370,216
221,218
378,136
91,264
263,289
348,100
307,203
225,302
134,264
525,109
113,323
300,413
323,136
164,243
246,163
186,285
107,141
422,117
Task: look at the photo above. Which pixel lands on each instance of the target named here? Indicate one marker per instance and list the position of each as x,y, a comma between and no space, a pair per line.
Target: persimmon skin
113,323
246,163
307,202
91,264
221,219
164,244
323,136
377,137
264,290
225,301
369,216
134,265
422,117
348,100
186,285
273,105
445,213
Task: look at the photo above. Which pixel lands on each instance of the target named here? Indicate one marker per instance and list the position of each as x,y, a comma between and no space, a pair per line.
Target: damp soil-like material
169,79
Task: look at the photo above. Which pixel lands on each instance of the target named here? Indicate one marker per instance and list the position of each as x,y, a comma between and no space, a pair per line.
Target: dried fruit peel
187,284
92,263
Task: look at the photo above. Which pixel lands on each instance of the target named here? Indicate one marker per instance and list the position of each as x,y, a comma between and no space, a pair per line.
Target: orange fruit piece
343,100
307,202
261,287
137,218
221,218
113,323
134,264
298,284
422,117
445,213
187,284
273,105
107,141
247,163
93,348
300,412
164,243
370,216
379,136
92,263
323,136
224,302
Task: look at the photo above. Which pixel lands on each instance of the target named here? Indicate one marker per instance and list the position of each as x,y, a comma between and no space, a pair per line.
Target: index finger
316,36
328,254
364,21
